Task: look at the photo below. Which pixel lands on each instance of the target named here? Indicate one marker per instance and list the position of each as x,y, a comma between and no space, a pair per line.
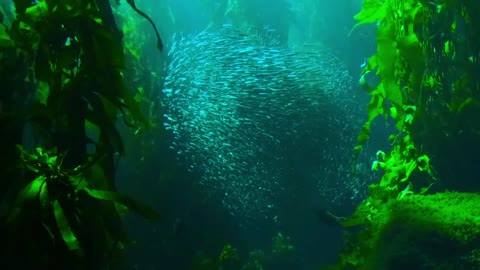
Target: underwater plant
230,258
62,65
427,53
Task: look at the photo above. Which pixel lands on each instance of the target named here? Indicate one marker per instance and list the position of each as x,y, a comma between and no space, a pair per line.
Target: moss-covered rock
438,231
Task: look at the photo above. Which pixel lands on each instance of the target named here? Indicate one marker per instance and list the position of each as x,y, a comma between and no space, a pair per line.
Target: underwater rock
439,231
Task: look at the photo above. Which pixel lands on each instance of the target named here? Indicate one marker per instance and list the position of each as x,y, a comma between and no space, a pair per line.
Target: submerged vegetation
229,257
427,61
62,69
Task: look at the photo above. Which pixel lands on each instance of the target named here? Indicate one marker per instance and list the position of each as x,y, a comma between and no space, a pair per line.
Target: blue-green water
261,110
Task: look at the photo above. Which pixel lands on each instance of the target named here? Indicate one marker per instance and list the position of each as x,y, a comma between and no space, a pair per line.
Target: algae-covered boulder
438,232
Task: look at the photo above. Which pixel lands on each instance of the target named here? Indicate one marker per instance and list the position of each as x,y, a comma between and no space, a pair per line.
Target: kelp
141,13
63,210
426,56
55,189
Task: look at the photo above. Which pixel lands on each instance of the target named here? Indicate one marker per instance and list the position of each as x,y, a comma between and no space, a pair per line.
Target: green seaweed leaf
387,55
372,11
5,40
64,228
33,189
125,200
141,13
43,92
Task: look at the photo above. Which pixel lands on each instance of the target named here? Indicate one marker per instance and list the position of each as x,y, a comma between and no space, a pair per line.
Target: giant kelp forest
69,72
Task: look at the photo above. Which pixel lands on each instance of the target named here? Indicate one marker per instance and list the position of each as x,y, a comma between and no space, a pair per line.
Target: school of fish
238,105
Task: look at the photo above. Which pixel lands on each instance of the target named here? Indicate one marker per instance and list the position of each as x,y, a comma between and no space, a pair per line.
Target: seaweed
62,66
